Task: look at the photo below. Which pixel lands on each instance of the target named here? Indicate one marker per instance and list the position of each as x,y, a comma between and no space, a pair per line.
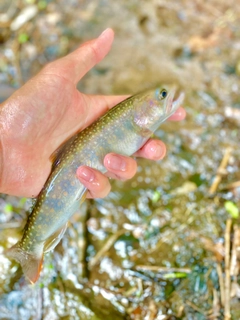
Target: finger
97,184
179,114
76,64
120,167
153,150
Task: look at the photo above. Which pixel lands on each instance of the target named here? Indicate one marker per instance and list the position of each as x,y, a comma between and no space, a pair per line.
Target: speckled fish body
122,130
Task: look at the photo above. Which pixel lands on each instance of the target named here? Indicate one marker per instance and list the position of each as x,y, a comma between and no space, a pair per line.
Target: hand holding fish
46,111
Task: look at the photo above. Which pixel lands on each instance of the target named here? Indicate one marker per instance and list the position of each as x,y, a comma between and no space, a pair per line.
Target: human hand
49,109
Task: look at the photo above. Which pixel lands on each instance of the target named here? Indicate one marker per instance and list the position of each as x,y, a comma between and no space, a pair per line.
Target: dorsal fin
57,154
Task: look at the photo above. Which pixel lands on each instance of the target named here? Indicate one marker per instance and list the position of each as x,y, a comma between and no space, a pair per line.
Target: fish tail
30,263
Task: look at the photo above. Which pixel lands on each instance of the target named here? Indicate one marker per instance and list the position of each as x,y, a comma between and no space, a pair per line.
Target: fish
124,129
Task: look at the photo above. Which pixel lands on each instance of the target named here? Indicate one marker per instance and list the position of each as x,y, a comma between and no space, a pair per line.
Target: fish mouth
172,103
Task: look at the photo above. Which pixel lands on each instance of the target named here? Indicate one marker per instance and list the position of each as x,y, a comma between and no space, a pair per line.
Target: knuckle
102,193
93,52
133,169
106,189
101,189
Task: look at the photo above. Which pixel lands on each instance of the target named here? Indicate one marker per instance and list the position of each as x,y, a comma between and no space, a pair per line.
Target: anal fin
54,240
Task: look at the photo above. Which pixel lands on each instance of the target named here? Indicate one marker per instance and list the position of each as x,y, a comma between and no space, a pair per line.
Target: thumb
76,64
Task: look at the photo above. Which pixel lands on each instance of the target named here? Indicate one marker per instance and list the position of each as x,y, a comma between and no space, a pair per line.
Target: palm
50,110
58,111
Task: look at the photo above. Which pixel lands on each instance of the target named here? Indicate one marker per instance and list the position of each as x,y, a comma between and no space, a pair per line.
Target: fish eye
162,94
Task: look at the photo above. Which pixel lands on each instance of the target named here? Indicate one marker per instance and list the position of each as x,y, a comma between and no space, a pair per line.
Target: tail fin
31,265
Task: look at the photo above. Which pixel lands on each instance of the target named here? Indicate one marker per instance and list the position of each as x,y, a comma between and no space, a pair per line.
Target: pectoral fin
56,156
54,240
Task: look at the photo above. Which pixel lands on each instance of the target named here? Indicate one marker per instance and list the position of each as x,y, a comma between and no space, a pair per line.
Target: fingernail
116,163
157,150
86,174
103,33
